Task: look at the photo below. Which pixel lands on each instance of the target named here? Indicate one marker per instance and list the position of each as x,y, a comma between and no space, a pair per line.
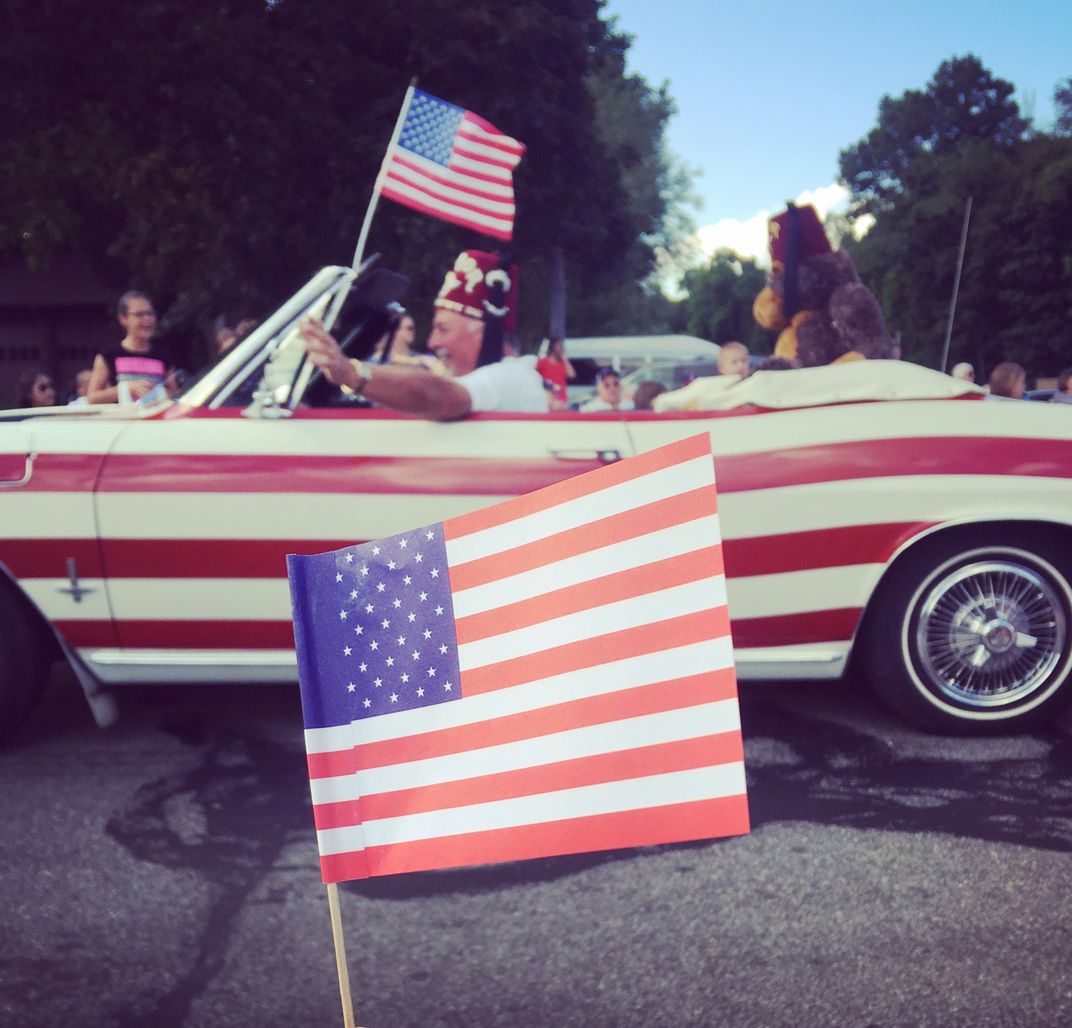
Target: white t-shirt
598,404
513,384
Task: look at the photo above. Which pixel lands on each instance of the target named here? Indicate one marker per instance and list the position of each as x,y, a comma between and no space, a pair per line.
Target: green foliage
720,298
1062,101
216,155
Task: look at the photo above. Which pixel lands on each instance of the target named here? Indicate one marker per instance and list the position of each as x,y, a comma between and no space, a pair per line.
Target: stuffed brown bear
814,299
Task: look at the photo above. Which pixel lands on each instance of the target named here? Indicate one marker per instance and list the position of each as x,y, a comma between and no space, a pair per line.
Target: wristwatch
364,376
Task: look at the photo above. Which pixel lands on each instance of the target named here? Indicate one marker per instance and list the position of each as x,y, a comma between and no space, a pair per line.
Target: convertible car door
197,513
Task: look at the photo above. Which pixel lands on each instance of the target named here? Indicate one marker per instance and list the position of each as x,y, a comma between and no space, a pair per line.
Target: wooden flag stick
340,956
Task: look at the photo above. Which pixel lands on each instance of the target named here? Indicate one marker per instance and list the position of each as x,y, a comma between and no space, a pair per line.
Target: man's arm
401,388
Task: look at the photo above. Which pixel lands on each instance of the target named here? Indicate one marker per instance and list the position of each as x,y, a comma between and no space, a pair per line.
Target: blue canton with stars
430,127
398,647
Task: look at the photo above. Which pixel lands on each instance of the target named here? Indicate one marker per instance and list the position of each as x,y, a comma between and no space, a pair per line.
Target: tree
963,102
720,298
216,156
1062,101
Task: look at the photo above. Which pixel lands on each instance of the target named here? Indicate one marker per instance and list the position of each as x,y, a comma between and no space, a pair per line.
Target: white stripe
470,127
406,176
588,801
504,192
394,189
478,151
636,612
694,659
584,510
574,744
56,605
47,516
462,162
603,560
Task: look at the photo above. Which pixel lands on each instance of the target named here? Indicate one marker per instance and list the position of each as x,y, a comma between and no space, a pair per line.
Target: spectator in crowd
964,371
130,370
556,369
468,314
35,389
608,392
645,395
79,385
733,359
396,347
1063,394
1008,379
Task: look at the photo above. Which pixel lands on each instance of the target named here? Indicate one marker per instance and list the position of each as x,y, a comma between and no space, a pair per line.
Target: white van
628,353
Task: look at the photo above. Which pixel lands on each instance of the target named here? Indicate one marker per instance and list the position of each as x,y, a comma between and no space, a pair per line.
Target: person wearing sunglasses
35,389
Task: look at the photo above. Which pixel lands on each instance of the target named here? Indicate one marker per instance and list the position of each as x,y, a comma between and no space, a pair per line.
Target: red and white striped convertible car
877,512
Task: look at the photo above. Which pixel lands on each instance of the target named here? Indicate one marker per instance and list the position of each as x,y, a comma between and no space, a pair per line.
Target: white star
443,648
416,654
402,543
435,572
349,558
351,687
375,551
398,603
364,570
374,645
358,630
428,633
407,580
430,534
401,640
369,608
338,576
346,651
377,682
424,596
419,558
446,685
420,690
353,594
391,565
394,697
368,702
438,610
385,623
362,666
380,587
405,677
342,615
411,616
431,672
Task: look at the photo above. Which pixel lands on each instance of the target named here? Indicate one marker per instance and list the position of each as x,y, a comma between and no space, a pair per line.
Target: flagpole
363,237
956,284
340,956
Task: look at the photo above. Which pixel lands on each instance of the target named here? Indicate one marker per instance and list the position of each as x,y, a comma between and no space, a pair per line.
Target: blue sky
768,93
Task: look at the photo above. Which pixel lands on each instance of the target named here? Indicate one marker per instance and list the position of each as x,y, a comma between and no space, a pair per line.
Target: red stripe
503,195
814,626
676,822
433,476
600,649
80,633
576,773
820,548
437,194
638,701
884,458
477,129
616,528
463,147
63,472
449,215
47,558
575,488
623,585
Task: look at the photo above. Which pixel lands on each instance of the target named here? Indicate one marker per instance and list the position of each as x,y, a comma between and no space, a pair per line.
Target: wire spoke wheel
990,633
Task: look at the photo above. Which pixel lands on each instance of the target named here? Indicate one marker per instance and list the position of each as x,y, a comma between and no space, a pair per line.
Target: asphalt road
163,872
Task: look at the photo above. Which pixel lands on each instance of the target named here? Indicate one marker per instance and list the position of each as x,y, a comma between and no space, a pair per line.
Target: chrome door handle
607,456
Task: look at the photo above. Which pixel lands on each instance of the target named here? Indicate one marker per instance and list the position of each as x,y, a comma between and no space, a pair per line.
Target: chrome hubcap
990,632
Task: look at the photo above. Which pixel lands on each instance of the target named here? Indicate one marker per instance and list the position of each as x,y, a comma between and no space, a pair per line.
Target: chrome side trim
813,661
118,667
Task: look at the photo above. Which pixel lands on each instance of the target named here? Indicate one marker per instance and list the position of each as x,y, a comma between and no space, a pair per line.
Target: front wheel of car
975,637
25,661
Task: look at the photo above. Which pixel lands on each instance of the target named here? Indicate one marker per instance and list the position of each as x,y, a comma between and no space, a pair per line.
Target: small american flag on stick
550,675
452,164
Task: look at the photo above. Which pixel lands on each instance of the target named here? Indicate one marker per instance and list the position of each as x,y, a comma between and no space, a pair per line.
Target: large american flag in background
550,675
454,165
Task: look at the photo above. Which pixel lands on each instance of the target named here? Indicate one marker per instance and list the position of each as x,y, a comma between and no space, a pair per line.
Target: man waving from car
466,336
